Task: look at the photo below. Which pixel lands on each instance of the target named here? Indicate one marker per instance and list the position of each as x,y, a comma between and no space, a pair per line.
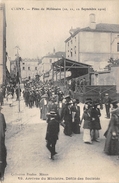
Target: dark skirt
111,144
3,163
68,128
75,128
96,124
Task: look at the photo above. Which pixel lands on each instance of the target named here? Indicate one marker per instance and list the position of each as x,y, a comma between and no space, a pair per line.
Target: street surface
28,159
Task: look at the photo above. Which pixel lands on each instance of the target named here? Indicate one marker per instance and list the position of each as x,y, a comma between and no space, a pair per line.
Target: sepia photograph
59,91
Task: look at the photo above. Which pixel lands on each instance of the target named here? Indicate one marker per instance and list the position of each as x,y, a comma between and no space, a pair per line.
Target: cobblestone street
27,156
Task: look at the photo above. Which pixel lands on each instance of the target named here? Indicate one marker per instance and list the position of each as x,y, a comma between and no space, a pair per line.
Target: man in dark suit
52,133
107,102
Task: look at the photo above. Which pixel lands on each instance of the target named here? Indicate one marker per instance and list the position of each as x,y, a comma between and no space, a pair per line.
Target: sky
37,30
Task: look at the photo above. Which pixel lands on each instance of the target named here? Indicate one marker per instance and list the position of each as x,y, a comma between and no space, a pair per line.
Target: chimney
54,51
71,31
92,24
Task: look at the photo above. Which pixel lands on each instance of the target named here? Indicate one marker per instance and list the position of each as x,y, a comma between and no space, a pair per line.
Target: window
71,52
117,47
71,42
75,49
28,68
50,60
75,38
68,43
23,63
35,68
23,68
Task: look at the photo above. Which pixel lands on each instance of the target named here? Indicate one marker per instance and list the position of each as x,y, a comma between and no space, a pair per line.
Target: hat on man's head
88,101
106,94
95,103
69,103
44,96
67,97
53,113
74,101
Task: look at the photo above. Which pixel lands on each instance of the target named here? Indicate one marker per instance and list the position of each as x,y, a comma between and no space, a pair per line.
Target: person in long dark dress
96,126
43,106
3,152
1,97
87,122
66,116
52,133
112,133
75,117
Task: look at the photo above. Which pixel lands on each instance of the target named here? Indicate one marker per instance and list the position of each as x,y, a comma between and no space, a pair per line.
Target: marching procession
57,109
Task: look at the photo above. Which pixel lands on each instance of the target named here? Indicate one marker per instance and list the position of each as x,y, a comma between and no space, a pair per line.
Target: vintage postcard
53,51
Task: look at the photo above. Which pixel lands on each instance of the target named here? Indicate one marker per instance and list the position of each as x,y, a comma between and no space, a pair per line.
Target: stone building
29,68
47,61
94,44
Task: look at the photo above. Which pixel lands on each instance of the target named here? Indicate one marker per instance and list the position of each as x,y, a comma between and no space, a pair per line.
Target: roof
101,27
30,60
56,55
77,68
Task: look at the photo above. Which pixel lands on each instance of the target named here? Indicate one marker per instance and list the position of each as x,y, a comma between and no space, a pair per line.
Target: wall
72,44
92,47
97,47
1,44
47,63
32,72
106,78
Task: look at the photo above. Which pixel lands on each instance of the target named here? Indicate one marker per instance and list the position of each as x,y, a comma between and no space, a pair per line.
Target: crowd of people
9,92
57,109
65,111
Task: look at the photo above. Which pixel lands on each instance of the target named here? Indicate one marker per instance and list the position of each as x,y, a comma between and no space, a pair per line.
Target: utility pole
18,75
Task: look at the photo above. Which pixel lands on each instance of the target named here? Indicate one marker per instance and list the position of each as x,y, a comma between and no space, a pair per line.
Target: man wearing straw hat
52,133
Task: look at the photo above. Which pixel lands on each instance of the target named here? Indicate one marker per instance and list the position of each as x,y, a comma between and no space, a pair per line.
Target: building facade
2,44
29,68
94,44
47,61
